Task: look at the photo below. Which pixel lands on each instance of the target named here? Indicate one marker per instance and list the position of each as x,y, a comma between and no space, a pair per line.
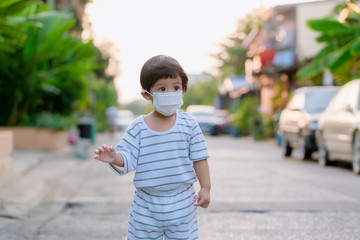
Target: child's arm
108,155
202,199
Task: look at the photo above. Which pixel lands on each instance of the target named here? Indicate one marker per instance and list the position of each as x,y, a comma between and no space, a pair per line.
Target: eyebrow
158,85
163,84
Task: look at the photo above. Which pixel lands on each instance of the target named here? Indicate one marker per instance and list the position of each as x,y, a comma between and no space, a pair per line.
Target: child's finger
199,202
111,149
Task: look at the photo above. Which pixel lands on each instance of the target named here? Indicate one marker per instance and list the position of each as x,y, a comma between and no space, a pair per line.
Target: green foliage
11,34
249,121
278,100
138,107
233,56
54,121
202,92
44,68
104,95
262,127
341,50
245,115
148,108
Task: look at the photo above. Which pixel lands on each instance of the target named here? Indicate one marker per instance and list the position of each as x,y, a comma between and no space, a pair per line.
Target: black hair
161,66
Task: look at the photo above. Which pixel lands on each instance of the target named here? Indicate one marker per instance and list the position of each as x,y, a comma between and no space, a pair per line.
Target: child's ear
146,95
184,89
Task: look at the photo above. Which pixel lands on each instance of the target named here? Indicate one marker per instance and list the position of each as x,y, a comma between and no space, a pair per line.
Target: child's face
167,85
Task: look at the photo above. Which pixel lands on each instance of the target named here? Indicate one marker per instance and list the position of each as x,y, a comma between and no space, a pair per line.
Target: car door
348,120
330,121
340,123
289,121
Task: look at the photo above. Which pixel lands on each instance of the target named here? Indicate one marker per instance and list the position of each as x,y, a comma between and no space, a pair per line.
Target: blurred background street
273,84
256,194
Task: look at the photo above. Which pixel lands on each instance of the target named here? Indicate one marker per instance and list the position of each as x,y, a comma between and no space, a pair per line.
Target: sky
191,31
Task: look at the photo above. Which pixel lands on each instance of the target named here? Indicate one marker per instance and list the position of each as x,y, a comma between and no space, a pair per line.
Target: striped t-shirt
162,160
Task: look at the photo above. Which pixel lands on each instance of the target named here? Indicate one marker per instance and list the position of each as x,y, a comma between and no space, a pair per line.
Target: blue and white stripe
171,215
162,160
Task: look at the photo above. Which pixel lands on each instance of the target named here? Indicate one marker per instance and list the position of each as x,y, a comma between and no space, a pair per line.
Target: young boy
168,151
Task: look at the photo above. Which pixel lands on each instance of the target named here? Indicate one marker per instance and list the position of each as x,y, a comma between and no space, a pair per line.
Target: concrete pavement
42,186
256,194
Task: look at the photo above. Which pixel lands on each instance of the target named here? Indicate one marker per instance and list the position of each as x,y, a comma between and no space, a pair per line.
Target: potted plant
51,133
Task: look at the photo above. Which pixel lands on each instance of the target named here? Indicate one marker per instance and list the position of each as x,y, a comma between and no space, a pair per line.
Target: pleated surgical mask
167,103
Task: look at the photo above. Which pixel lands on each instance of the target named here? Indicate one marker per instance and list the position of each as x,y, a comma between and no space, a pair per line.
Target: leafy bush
202,92
262,126
244,116
54,121
104,95
44,68
340,45
249,121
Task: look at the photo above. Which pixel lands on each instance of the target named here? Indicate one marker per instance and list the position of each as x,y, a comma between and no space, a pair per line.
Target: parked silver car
298,121
207,118
124,119
338,134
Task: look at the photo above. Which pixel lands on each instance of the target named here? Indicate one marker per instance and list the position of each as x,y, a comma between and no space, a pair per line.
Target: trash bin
84,130
87,131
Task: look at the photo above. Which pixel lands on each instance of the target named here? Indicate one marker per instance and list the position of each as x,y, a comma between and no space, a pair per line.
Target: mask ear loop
149,93
144,90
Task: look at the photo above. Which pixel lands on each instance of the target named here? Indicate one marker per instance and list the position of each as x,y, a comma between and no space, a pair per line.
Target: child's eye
176,88
162,89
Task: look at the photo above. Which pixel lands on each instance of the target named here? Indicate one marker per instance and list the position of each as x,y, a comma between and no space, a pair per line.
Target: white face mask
167,103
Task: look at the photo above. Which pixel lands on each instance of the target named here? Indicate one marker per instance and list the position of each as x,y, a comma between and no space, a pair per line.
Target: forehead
168,81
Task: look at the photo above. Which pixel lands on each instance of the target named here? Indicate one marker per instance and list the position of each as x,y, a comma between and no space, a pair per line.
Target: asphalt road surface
256,194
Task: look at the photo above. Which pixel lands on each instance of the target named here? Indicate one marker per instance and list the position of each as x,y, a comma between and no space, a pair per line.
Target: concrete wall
6,153
306,44
40,139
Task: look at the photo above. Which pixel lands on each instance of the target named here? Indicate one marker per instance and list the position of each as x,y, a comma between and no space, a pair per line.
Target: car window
317,101
352,96
297,102
341,99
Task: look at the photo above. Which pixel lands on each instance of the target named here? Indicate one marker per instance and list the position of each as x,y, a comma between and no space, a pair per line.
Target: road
256,194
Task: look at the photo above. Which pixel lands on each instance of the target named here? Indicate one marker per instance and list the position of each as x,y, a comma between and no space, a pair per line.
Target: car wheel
286,147
356,154
302,152
323,154
215,130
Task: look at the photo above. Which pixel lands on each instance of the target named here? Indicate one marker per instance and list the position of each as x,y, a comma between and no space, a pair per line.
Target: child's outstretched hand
105,154
202,199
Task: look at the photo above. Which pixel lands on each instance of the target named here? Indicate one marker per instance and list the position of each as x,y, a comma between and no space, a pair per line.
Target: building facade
282,45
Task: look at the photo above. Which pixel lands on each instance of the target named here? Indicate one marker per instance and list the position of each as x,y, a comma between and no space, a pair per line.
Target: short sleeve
198,149
129,148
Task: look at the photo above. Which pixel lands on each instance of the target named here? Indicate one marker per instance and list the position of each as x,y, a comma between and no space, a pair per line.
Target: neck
158,122
162,117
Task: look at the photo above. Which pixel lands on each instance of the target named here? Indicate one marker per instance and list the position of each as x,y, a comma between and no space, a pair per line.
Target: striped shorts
157,215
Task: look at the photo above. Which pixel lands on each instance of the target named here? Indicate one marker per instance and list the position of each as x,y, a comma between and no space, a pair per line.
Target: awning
267,57
284,58
234,86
